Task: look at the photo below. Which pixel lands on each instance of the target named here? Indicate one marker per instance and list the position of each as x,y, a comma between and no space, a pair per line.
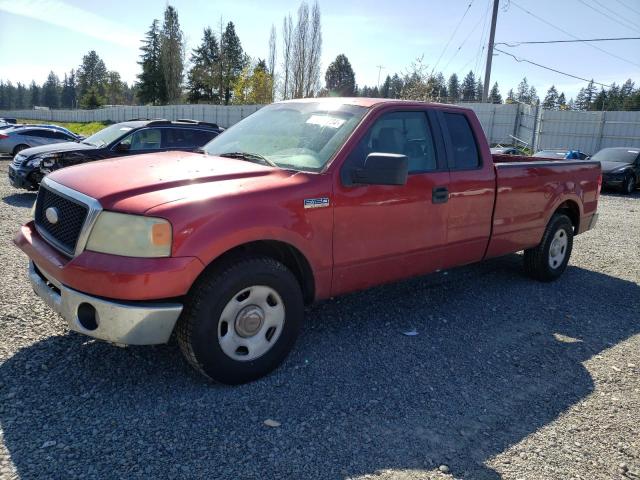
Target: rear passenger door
471,190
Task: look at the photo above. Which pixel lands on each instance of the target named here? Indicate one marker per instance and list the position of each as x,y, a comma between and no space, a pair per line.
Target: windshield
300,136
107,135
622,155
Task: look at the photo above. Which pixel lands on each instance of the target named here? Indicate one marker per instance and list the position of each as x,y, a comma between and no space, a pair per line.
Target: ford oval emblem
52,215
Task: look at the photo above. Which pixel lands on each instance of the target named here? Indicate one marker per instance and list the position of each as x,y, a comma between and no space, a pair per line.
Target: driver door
145,140
383,233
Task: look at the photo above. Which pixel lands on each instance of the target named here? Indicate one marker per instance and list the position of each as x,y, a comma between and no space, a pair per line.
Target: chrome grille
18,160
71,215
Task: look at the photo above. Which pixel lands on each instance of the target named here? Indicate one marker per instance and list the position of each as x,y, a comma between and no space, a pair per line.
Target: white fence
225,116
538,128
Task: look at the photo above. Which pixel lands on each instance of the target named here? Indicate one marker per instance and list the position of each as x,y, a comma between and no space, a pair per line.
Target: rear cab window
462,143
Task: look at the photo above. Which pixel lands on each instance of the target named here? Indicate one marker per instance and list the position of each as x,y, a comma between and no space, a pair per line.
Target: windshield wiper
251,157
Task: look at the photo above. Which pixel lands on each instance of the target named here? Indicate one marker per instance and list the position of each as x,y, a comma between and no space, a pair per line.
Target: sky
379,37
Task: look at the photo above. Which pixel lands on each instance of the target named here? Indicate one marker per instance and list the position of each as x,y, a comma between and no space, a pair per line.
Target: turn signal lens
161,234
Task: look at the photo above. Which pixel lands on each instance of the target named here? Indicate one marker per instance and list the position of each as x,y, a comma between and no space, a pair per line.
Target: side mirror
382,169
123,147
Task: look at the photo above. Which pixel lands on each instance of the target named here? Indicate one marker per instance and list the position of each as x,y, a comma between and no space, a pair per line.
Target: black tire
536,260
629,184
197,330
18,148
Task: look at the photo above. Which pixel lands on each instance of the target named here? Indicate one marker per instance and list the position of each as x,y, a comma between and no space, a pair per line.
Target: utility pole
492,35
380,67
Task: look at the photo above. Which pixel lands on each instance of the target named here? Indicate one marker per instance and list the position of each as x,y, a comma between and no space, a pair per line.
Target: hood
56,148
137,183
608,167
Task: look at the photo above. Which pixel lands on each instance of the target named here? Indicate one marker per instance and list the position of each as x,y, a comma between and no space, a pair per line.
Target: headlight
43,158
33,162
130,235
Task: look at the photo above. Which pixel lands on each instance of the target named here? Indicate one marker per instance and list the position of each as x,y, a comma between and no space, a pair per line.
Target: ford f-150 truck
301,201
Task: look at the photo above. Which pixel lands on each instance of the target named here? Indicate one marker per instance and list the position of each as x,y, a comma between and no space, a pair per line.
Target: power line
615,14
630,8
605,14
480,20
452,35
551,69
516,44
512,2
482,44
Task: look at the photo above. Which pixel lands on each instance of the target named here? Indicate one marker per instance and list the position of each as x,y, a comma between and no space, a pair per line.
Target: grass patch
84,129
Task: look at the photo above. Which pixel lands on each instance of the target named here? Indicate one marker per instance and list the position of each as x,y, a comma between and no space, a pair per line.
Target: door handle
440,195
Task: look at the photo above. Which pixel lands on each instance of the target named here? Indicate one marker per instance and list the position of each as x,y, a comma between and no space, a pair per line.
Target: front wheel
629,184
240,322
549,259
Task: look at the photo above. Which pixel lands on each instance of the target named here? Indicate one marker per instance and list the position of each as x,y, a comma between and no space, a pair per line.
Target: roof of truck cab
366,102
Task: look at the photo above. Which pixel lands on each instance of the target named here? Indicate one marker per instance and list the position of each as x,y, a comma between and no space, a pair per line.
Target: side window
405,133
146,139
465,150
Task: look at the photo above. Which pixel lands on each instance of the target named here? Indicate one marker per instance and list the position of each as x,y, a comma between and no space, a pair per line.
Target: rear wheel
549,259
240,322
19,148
629,184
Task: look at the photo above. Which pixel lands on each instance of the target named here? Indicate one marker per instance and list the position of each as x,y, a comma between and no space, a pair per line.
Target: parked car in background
561,153
127,138
8,121
301,201
13,140
620,167
507,151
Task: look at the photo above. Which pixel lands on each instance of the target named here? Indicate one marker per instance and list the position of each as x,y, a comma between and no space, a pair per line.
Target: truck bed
523,205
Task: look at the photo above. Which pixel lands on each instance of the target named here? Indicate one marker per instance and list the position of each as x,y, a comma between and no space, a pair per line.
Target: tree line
219,71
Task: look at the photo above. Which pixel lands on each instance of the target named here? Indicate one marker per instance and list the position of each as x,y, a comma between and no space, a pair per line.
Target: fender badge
316,202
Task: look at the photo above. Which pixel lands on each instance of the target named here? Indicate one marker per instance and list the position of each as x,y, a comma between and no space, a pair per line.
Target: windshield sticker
326,121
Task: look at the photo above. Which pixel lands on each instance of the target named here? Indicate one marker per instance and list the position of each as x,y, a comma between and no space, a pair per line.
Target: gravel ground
507,378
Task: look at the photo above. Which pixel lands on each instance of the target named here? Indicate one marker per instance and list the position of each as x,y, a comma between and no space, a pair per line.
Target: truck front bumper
130,323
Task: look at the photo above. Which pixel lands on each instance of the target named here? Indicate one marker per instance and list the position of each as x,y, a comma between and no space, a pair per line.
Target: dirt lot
507,378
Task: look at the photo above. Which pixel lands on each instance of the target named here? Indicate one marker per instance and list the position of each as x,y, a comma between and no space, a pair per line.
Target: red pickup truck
301,201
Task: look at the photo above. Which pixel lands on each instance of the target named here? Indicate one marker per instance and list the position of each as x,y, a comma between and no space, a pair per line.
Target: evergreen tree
172,55
34,94
396,86
202,79
533,96
581,103
340,79
151,87
232,61
453,88
523,93
21,96
51,91
92,76
494,94
386,88
114,89
68,97
627,94
600,101
479,90
469,88
550,101
589,95
562,102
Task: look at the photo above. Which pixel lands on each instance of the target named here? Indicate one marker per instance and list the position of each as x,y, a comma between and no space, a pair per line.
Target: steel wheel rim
558,248
251,323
